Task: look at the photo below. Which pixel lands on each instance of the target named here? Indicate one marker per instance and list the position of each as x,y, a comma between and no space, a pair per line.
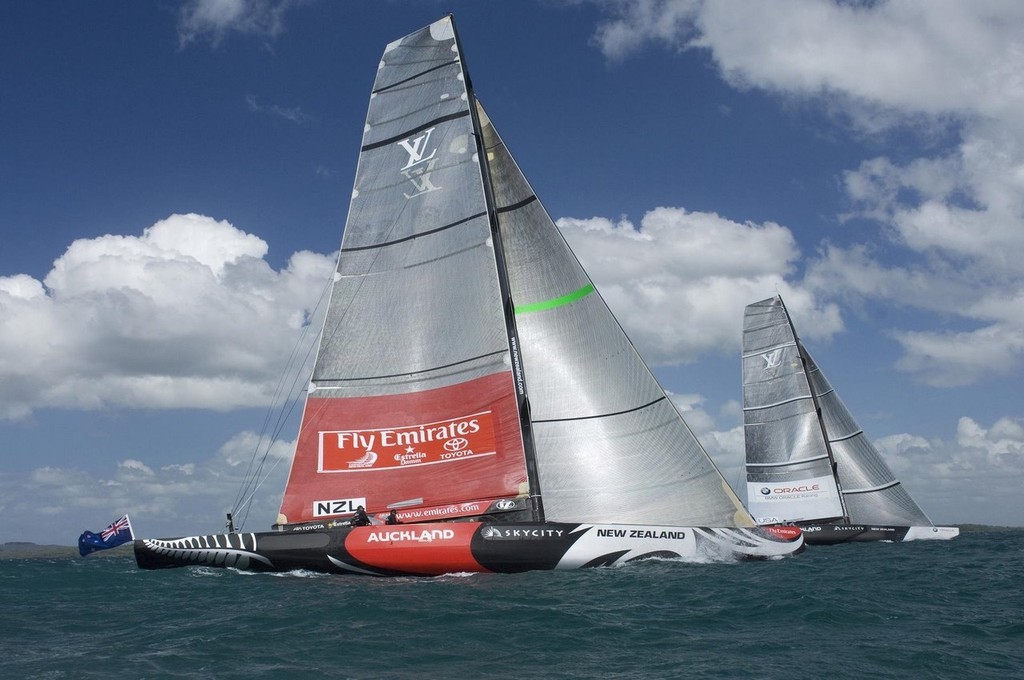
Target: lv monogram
419,166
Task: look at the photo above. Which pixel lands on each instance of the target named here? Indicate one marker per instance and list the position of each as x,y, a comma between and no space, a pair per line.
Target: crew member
360,519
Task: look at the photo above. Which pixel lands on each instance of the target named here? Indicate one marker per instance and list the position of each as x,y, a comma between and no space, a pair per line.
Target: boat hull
830,534
431,549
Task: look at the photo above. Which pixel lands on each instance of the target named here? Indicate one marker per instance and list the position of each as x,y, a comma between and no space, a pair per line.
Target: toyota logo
456,444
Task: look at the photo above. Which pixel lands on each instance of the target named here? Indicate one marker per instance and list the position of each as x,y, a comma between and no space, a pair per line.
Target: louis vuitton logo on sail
459,438
419,166
772,360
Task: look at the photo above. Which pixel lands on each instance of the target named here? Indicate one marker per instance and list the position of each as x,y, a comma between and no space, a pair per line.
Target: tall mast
525,422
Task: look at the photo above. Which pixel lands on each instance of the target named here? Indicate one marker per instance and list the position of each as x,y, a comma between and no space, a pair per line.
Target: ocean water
874,610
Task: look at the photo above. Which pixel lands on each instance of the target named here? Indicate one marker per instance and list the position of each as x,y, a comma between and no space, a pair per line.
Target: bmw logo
765,491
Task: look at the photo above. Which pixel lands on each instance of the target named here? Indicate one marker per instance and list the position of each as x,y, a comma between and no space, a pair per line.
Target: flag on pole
119,531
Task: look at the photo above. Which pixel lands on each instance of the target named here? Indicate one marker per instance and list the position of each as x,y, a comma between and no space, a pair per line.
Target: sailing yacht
471,380
808,462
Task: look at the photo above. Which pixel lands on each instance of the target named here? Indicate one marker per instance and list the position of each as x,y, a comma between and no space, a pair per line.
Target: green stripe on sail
556,302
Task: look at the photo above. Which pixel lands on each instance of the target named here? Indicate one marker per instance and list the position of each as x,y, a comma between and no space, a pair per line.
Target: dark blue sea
874,610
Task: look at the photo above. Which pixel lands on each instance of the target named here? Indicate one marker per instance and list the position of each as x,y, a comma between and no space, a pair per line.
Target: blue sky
174,178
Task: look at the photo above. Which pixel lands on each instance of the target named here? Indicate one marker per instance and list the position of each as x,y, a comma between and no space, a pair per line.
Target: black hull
440,548
830,534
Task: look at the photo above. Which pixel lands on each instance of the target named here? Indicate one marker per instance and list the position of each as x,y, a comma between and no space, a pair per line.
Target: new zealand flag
119,531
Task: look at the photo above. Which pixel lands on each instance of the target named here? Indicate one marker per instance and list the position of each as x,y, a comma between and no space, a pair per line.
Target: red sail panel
430,449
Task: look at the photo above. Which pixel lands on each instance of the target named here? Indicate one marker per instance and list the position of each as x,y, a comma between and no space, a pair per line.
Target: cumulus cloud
213,20
981,469
188,314
678,283
934,58
954,214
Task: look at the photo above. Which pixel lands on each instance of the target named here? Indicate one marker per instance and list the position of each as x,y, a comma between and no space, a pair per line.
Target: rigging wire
283,402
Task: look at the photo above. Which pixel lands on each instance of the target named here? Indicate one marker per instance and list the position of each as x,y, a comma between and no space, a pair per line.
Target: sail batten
421,234
516,206
787,463
386,88
880,487
762,407
762,350
405,134
834,440
489,355
604,415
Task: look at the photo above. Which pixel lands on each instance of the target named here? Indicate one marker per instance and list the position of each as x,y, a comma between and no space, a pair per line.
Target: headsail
871,492
412,402
610,445
807,459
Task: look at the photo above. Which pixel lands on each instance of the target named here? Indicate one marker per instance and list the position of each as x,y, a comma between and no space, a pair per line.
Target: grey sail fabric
414,353
610,445
871,492
789,470
791,448
416,260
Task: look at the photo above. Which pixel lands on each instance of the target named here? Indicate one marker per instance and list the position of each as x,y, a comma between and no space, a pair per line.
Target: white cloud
188,314
690,406
934,57
293,114
978,475
955,359
186,498
966,208
213,20
954,217
726,449
986,311
133,468
678,283
640,21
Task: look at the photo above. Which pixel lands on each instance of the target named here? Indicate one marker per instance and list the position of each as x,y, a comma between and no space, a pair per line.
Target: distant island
22,550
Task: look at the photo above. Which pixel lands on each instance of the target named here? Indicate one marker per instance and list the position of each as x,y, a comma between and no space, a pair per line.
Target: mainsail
459,311
807,459
414,353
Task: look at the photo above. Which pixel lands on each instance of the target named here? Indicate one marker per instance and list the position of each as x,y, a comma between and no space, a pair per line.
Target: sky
174,178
